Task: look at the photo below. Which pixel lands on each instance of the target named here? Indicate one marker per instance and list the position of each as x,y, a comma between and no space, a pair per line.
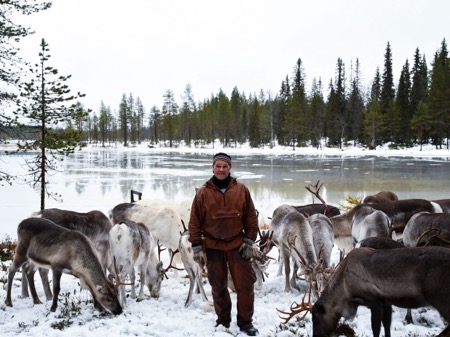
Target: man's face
221,169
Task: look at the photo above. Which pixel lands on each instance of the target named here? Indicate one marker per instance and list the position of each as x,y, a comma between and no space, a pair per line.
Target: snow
167,315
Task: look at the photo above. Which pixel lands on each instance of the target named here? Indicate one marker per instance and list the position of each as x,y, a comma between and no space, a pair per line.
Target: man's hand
198,254
248,249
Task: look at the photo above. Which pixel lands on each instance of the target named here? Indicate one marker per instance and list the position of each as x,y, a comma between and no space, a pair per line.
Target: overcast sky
146,47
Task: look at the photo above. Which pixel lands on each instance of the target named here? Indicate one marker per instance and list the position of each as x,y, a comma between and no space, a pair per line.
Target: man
224,226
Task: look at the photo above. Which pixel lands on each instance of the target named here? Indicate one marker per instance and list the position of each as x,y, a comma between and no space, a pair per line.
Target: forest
414,111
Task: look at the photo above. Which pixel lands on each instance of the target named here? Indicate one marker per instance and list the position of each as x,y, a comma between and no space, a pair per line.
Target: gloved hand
248,249
198,254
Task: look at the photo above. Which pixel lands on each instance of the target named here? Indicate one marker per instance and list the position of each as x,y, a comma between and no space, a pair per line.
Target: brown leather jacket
223,219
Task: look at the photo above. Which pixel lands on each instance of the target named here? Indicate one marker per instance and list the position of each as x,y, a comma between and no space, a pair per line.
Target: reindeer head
107,296
154,283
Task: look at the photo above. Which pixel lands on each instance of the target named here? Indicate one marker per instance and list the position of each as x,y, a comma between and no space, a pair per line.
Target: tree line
414,111
38,109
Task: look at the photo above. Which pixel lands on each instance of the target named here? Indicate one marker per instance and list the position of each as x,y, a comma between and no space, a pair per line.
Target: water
100,179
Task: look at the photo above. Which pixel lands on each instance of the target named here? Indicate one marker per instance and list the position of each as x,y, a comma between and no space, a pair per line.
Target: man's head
221,165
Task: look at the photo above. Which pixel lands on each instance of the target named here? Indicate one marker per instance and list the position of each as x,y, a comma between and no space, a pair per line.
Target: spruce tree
439,96
46,107
11,66
355,106
403,105
387,93
419,86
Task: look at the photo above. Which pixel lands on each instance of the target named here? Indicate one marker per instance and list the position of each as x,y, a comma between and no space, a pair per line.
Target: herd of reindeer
392,253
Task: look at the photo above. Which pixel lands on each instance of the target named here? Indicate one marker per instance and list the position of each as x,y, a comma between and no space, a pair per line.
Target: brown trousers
244,279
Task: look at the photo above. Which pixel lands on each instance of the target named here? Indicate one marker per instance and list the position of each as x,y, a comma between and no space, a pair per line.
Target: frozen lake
99,178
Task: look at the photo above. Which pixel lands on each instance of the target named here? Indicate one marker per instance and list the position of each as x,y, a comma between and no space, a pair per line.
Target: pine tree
355,106
10,64
140,113
419,86
341,117
124,119
296,110
403,106
439,96
421,123
255,122
169,112
45,106
387,93
317,113
279,123
236,107
187,115
387,87
372,121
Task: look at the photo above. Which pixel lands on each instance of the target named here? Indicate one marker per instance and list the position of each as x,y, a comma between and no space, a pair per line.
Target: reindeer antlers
315,189
297,308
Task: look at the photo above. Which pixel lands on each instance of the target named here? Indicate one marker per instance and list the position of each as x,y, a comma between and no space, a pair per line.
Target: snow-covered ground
167,316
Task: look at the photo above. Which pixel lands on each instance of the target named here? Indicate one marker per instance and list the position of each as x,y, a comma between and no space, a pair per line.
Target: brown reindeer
398,212
94,224
47,245
380,197
378,279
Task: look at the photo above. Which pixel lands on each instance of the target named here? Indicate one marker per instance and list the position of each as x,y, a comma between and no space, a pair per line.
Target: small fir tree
46,107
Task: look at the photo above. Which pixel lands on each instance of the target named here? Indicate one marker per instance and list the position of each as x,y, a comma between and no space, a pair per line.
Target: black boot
250,330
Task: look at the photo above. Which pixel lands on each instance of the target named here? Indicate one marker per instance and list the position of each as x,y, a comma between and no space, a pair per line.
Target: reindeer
94,224
369,223
160,216
292,234
385,243
323,240
380,197
376,279
132,245
427,228
49,246
398,212
193,270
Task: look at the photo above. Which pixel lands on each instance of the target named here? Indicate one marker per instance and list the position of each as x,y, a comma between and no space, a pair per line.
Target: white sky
146,47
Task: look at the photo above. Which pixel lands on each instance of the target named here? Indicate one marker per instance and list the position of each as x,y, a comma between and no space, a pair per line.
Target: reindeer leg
387,318
12,271
376,314
133,285
192,282
24,283
143,269
43,273
29,272
198,278
56,288
287,272
408,317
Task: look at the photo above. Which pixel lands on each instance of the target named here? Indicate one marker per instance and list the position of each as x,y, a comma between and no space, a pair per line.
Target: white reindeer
49,246
164,219
192,268
323,239
132,245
